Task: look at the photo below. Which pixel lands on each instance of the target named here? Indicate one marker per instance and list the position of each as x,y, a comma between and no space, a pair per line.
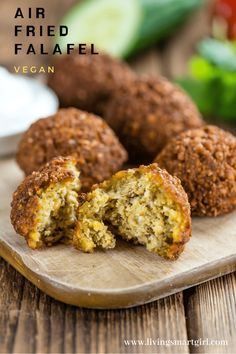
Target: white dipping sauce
22,101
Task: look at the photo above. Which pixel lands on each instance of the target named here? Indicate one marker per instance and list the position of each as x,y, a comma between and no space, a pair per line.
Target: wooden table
32,322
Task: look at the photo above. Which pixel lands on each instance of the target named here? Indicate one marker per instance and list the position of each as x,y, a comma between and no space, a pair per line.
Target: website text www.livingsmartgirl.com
198,342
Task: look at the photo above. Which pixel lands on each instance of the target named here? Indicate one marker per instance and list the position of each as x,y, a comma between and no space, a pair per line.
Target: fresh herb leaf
215,97
219,53
201,93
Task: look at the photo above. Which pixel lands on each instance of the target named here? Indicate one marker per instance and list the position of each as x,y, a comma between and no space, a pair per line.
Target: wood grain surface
125,276
211,313
32,322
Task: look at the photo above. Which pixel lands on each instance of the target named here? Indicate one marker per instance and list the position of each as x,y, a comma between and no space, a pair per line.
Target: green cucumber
160,18
110,24
122,27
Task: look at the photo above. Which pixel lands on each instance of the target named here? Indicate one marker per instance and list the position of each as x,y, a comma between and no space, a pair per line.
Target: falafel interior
57,213
44,206
137,205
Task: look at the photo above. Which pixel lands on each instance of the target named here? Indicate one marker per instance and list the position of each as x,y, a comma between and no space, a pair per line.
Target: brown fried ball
205,161
145,205
86,81
147,113
71,132
44,206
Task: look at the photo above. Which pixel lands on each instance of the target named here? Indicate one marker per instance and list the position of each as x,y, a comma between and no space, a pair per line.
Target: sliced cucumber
122,27
112,25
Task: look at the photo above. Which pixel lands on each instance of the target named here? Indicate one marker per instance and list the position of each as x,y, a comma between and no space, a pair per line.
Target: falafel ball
205,161
71,132
86,81
147,113
44,206
145,205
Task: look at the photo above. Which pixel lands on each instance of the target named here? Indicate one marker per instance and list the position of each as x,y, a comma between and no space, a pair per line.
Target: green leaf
227,100
200,92
201,69
212,84
219,53
215,97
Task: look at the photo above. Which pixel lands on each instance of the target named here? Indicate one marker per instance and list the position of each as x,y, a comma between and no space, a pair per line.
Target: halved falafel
148,112
205,161
71,132
145,205
87,81
44,206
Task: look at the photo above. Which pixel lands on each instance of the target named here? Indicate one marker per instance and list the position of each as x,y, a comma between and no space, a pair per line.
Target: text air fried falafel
71,132
44,206
86,81
205,161
147,113
145,205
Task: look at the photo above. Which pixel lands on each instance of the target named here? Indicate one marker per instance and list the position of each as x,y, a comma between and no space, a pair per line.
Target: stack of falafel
74,151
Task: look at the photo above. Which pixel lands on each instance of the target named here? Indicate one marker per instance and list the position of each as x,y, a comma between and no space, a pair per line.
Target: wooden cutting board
123,277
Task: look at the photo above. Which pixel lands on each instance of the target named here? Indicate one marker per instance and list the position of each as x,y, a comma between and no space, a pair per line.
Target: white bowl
23,100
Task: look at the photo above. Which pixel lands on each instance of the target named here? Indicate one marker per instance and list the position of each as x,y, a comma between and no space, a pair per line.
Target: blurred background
168,57
191,42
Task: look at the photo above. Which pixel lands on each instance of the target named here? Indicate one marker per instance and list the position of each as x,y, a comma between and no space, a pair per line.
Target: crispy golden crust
25,203
170,185
147,113
86,81
205,161
72,132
